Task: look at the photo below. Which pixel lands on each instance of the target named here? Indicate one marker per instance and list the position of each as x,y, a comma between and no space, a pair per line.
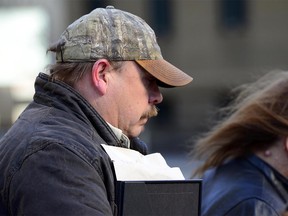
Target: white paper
132,165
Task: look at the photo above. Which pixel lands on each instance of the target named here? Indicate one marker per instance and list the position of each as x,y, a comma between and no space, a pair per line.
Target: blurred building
220,43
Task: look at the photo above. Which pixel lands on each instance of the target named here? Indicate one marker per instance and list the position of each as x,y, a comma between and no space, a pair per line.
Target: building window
161,14
233,14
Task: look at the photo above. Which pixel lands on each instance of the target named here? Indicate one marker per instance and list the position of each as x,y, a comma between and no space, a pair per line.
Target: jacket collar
272,175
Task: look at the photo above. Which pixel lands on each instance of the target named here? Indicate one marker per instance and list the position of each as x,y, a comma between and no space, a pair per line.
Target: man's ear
99,75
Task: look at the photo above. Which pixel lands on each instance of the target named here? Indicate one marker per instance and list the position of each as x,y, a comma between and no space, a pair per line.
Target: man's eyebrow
146,74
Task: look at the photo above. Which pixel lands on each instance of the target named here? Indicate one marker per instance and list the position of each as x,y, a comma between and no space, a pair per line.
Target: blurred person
245,155
102,89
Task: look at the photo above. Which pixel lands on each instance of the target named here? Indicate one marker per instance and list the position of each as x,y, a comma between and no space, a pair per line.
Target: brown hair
71,72
257,118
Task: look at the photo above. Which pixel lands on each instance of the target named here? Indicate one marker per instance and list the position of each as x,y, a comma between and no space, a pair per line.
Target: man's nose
155,96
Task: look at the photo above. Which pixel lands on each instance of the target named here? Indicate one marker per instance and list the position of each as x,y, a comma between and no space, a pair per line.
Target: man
102,90
245,156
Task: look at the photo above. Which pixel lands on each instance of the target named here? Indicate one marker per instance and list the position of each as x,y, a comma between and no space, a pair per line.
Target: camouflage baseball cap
119,36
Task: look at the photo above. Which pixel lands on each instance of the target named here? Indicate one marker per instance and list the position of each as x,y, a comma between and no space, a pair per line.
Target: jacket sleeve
56,181
252,207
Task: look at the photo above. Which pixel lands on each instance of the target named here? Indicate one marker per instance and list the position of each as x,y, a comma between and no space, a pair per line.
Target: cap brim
166,73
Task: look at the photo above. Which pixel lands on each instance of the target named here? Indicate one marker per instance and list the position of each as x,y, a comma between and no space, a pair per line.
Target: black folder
155,198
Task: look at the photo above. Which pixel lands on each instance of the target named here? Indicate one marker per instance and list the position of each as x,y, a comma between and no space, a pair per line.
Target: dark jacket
51,161
244,187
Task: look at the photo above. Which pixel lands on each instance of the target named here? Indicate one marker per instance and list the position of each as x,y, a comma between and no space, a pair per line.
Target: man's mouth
151,113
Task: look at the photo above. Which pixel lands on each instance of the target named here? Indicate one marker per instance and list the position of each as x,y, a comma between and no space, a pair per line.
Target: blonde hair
256,119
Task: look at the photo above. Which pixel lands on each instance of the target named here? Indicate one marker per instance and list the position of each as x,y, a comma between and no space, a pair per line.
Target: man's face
135,93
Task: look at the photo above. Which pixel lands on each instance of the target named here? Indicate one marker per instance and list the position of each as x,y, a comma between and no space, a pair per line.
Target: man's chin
137,131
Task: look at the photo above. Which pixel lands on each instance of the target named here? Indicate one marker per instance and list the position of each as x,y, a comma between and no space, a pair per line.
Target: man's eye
149,81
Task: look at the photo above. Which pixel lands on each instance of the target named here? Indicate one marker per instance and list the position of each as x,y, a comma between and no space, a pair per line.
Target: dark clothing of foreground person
245,155
57,157
103,89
